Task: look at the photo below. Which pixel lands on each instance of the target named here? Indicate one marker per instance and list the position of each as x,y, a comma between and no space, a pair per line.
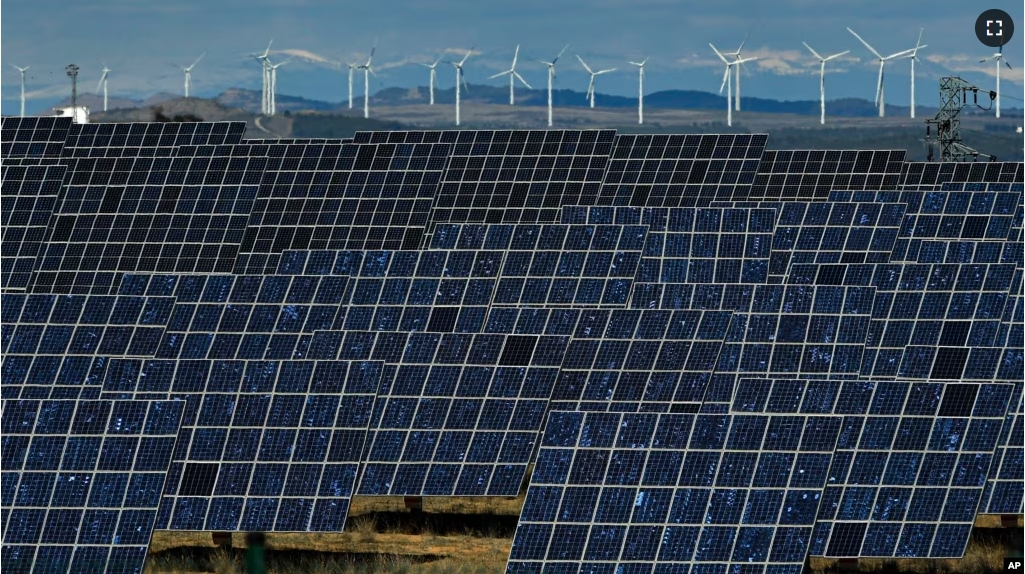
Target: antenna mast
73,73
953,98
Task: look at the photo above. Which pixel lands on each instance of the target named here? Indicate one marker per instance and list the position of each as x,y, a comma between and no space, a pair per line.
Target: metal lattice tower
953,98
73,73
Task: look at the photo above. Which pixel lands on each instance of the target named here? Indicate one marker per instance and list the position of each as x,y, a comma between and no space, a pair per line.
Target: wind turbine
914,56
640,89
551,76
882,63
460,80
23,70
998,57
590,86
367,70
265,100
736,56
513,76
822,79
434,75
351,68
188,74
728,83
273,71
103,83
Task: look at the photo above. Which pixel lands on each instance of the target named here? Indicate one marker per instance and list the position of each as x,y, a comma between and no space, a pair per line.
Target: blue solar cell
82,481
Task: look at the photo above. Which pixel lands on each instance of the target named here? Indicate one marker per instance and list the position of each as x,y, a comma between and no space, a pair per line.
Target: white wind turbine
272,70
188,74
513,76
367,70
880,95
262,58
822,79
728,83
590,86
551,76
998,58
914,56
351,68
23,71
736,56
103,84
640,89
434,76
460,80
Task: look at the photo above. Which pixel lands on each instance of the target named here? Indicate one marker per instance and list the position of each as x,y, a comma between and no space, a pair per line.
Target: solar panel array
710,354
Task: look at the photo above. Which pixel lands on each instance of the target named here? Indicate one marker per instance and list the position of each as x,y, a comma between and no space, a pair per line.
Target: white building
80,114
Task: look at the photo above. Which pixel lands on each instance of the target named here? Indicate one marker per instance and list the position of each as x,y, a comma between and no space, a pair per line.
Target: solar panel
833,233
930,176
26,204
33,136
183,214
335,196
809,175
552,264
631,360
82,482
57,347
512,176
462,413
910,465
646,492
147,139
438,290
680,171
265,445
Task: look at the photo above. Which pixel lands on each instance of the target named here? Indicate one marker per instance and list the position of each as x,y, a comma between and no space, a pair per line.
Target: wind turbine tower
265,99
998,58
822,79
22,70
590,86
551,77
727,81
880,95
460,80
736,56
640,89
273,72
103,84
188,74
434,76
513,76
914,56
367,70
351,68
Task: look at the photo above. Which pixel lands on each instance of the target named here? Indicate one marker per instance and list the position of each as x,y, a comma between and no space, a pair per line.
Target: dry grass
489,505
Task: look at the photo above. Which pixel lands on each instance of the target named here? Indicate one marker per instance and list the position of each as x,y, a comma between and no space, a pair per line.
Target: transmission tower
953,98
73,73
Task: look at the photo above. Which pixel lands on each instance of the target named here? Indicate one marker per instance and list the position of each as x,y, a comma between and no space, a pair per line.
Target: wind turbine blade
463,61
516,56
828,58
718,53
879,82
197,60
584,64
561,53
1008,64
605,71
725,77
499,74
898,54
870,48
644,61
813,52
746,36
517,74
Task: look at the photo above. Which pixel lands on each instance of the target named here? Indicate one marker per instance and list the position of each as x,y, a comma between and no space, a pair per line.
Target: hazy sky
142,40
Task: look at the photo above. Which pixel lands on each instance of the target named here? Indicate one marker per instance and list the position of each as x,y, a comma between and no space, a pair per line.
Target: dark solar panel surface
399,313
82,482
910,464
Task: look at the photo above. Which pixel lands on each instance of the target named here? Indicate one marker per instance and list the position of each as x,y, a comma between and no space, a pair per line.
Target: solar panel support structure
953,98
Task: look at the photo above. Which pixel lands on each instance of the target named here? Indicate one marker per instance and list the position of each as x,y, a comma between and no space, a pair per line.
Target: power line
991,134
